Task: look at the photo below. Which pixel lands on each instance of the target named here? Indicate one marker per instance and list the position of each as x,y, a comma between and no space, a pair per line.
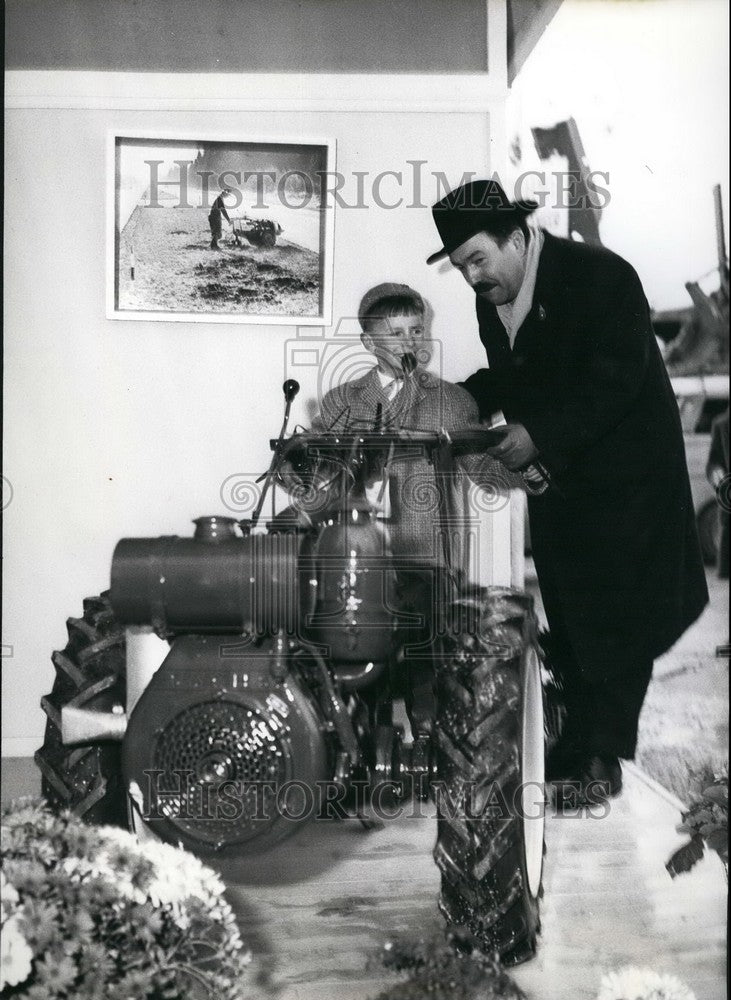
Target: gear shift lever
290,389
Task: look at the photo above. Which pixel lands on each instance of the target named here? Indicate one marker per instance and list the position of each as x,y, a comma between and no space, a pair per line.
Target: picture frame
219,229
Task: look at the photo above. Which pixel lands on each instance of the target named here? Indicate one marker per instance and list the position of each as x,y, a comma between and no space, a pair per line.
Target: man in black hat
575,369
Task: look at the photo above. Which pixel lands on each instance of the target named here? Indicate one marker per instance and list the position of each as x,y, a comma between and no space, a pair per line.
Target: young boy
399,394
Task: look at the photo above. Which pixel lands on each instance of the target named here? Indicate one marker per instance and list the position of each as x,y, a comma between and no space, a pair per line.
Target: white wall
120,428
652,109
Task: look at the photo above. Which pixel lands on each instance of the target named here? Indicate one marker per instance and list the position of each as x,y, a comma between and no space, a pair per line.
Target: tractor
235,682
260,233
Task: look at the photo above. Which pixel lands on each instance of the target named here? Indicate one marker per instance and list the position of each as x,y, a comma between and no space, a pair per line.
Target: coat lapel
371,393
364,395
493,335
532,328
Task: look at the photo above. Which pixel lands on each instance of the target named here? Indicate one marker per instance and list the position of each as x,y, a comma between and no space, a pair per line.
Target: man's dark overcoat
614,540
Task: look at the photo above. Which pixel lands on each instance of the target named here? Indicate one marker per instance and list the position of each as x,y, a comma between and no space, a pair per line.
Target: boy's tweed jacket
424,403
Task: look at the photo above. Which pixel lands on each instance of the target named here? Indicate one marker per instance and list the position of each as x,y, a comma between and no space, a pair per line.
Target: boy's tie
392,388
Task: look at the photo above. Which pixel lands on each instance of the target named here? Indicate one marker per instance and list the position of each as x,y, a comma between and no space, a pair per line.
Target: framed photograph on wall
219,230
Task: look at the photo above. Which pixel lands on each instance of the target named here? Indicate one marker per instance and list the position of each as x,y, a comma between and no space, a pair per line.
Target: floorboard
317,909
608,902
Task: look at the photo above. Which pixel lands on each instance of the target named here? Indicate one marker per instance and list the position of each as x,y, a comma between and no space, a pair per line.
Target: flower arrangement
90,913
707,823
642,984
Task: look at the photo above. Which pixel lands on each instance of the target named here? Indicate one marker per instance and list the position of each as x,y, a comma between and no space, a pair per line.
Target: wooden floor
316,910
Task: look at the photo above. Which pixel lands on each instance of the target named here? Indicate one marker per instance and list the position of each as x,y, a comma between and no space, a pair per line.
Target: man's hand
716,475
516,449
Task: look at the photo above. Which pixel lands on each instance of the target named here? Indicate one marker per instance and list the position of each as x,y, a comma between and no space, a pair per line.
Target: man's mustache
482,287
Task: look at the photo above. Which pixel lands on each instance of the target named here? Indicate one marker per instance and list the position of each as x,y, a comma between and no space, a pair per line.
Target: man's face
495,272
391,337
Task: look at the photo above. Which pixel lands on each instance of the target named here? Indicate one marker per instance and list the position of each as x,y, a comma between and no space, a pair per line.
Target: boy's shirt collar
386,378
390,384
422,377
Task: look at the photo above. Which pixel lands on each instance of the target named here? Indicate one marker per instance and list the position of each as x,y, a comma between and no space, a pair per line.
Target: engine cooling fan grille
219,764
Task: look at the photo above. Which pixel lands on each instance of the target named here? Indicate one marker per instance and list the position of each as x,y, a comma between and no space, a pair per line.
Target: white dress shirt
390,384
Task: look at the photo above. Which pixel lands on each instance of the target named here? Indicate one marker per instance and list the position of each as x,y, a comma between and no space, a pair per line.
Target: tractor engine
250,717
233,684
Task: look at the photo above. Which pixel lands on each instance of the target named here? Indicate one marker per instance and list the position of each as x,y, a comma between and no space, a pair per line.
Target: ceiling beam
527,20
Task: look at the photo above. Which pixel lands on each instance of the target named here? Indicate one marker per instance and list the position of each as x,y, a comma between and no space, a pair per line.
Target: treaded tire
490,858
265,239
90,673
709,531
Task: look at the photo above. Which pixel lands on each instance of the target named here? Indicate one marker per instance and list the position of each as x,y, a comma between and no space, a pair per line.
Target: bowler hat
474,208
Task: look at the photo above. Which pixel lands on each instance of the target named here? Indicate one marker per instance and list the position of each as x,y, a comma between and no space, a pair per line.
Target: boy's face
392,337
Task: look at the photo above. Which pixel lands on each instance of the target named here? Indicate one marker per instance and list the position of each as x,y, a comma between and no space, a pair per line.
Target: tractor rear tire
490,762
264,239
90,674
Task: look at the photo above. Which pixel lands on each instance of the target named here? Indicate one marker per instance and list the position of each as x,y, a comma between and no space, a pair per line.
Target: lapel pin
541,313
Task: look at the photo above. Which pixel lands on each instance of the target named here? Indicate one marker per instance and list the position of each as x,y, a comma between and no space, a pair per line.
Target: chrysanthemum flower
631,983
